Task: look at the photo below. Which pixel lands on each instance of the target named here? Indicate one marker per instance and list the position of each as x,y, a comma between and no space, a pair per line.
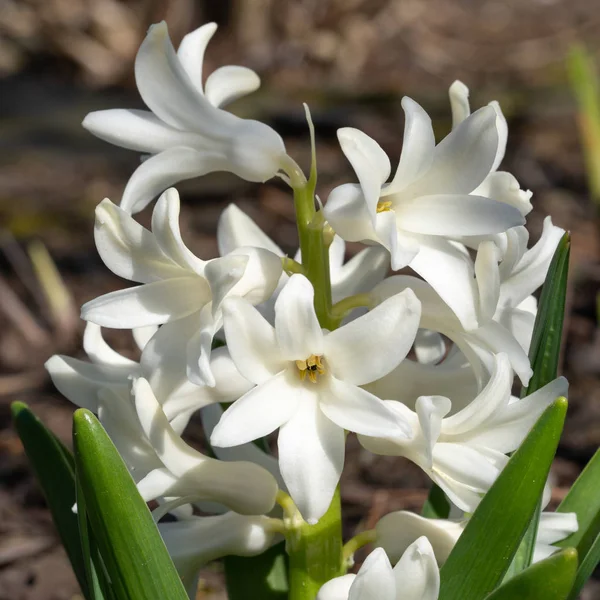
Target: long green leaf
550,579
485,549
54,467
584,500
586,568
544,354
265,575
135,556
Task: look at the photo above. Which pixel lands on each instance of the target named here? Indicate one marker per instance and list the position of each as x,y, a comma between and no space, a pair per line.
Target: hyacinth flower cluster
414,344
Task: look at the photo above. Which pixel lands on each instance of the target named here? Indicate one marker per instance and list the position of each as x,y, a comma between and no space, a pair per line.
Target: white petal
258,412
223,274
430,347
396,531
450,273
488,279
337,588
337,254
199,347
369,161
462,159
251,341
311,457
502,129
503,187
226,84
147,304
459,103
138,130
128,249
162,170
100,352
237,229
402,249
360,274
354,409
165,227
456,215
431,411
375,579
369,347
81,381
168,91
555,527
296,325
346,211
417,147
191,52
417,573
142,335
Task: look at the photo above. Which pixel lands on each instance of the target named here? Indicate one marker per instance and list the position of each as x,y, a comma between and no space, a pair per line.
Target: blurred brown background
351,60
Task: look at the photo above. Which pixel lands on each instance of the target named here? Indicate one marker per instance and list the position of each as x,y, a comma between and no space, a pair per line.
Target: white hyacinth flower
186,132
397,530
415,577
429,201
187,476
360,274
194,542
307,384
464,453
179,291
499,185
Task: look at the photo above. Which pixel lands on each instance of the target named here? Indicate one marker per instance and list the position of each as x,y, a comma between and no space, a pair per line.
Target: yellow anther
384,206
312,366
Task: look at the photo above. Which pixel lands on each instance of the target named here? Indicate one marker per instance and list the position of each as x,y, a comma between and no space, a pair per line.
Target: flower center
384,206
312,367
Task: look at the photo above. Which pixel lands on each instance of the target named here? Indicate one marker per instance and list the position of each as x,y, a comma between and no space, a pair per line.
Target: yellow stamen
312,366
384,206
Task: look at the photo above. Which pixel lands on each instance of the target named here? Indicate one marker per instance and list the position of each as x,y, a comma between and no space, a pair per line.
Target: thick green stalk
315,553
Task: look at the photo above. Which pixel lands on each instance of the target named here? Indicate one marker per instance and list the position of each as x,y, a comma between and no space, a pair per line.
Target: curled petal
101,353
191,52
459,103
229,83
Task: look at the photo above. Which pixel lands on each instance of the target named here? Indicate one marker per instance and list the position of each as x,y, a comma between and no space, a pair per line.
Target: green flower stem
315,553
290,266
343,307
356,543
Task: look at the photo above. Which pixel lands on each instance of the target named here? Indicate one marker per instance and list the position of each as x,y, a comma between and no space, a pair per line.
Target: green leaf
586,568
265,575
485,549
436,506
584,500
549,579
133,552
54,468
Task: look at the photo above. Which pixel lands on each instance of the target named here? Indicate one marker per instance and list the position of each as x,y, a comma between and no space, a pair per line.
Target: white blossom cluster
425,373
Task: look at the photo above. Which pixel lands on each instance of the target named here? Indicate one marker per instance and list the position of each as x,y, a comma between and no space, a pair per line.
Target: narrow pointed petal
237,229
417,573
369,347
258,412
226,84
417,147
191,53
128,249
134,129
162,170
459,103
450,272
502,129
375,579
296,325
354,409
311,456
456,215
369,161
251,341
165,227
148,304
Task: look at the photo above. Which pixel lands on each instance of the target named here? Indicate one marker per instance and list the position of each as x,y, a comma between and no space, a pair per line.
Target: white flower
464,453
307,384
397,530
187,476
360,274
498,185
194,542
186,132
428,203
415,577
178,289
